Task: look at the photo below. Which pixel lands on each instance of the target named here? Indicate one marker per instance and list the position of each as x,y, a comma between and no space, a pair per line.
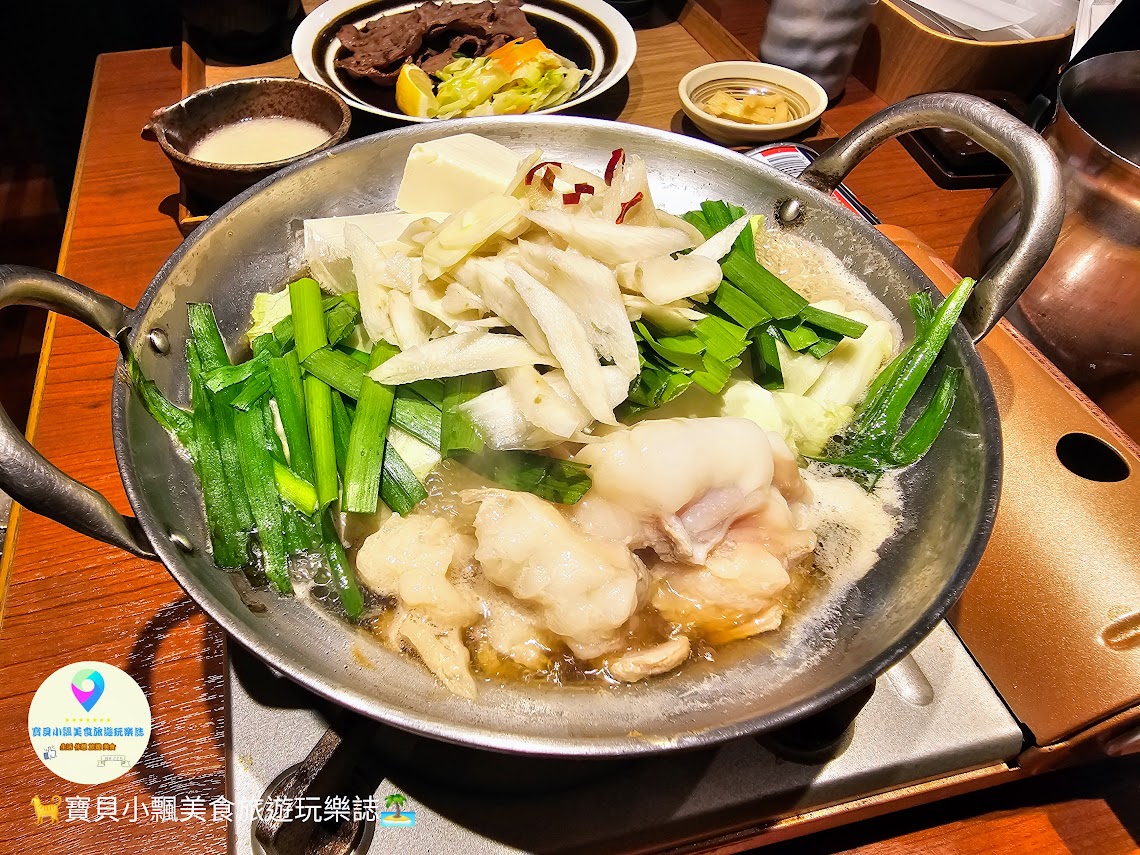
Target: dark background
47,58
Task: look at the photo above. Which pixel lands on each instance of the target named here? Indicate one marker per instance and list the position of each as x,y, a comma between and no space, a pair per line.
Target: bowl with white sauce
225,138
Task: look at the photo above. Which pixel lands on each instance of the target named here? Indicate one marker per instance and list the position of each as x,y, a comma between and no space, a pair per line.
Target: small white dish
591,33
806,99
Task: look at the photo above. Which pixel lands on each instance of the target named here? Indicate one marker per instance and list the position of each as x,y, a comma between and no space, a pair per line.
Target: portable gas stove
932,715
1041,668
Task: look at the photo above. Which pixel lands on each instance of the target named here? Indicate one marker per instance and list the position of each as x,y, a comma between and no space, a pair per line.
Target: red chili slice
616,157
626,206
534,170
580,190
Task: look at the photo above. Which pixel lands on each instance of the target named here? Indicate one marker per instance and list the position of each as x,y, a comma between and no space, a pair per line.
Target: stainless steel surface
1035,172
837,642
647,802
1083,309
26,475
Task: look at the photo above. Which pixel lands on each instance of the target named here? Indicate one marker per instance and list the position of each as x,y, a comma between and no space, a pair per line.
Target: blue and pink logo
87,685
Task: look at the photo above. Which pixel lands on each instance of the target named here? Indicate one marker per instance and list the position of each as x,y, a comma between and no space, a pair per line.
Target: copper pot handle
25,474
1022,149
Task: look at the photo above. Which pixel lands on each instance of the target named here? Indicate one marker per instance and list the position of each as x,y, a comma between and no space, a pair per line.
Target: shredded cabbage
268,310
484,87
466,83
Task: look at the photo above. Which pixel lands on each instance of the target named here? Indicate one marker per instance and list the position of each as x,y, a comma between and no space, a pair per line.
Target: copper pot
1083,307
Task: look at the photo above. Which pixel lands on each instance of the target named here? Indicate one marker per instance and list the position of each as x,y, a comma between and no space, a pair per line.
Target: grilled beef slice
429,35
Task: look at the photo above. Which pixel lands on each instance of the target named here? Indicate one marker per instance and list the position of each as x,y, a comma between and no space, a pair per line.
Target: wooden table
69,598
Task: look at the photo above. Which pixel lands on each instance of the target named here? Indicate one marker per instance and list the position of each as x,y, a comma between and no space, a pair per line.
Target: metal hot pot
949,498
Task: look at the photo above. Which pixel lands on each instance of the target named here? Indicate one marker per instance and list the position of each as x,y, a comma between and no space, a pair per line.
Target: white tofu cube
451,173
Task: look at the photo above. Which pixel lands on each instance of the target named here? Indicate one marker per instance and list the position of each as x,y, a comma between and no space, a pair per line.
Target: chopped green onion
827,343
343,577
260,486
225,376
925,429
252,391
306,532
823,320
654,387
318,409
359,355
739,306
871,444
717,215
266,344
308,320
417,417
294,489
206,337
765,288
400,489
683,350
923,311
171,418
723,340
714,375
283,330
797,336
889,414
227,537
429,390
212,354
367,438
341,320
766,368
457,432
294,537
745,242
550,478
878,388
310,336
720,344
697,220
289,392
339,370
342,428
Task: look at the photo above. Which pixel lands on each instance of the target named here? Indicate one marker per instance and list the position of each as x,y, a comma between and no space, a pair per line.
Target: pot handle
25,474
1027,155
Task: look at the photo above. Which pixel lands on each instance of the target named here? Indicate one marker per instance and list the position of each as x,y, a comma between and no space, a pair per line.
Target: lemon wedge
414,94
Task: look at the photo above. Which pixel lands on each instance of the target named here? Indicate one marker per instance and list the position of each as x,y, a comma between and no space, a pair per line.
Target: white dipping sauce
261,140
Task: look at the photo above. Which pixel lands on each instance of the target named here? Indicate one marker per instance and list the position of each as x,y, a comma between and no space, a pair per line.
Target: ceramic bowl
806,99
590,33
179,126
